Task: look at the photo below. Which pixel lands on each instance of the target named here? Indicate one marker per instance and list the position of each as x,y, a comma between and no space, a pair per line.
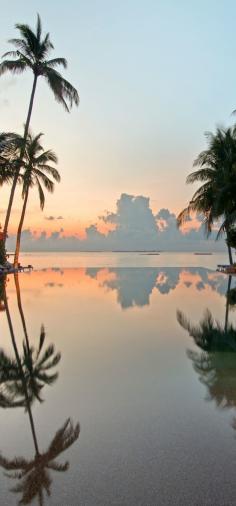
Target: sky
152,76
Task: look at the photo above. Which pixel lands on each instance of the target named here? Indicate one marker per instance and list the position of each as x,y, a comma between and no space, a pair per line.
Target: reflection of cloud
53,285
134,286
134,227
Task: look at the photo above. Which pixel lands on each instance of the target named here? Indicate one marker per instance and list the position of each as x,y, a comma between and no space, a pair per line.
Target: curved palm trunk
227,304
230,255
21,371
228,246
18,237
22,152
18,294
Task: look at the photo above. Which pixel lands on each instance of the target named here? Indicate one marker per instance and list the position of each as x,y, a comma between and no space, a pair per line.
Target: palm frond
41,194
55,62
14,66
63,91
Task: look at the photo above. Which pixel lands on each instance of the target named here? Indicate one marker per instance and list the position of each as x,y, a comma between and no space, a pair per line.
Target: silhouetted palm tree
38,172
31,53
216,198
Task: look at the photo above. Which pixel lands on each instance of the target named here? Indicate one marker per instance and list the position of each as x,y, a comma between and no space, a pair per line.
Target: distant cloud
135,228
53,218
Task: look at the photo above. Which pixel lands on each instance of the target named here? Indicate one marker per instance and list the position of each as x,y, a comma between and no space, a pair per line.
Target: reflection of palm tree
210,335
20,369
34,474
216,364
35,366
35,362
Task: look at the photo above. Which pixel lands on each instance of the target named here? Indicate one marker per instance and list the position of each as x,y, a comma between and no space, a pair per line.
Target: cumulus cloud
135,228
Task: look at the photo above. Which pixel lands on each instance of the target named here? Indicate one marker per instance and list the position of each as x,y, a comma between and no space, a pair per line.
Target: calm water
156,413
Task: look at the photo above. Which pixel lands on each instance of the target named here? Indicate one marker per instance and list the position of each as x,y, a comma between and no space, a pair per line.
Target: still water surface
156,413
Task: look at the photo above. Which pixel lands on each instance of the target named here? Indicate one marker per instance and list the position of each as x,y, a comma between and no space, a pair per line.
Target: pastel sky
153,76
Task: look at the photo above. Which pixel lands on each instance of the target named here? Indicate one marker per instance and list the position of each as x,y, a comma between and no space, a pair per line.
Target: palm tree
216,198
31,53
36,173
34,474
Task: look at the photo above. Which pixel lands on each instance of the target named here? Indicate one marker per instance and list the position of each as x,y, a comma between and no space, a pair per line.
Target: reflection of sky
132,286
125,376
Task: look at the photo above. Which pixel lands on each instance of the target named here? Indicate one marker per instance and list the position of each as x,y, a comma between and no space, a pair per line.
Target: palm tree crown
36,168
216,197
32,51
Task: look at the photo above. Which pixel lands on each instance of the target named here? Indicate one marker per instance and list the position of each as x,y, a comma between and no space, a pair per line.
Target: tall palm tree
36,172
216,198
31,52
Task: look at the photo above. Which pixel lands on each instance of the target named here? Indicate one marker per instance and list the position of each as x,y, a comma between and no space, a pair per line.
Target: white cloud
136,228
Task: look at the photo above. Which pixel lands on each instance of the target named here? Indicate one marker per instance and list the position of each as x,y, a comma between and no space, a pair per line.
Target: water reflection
134,286
22,379
33,475
215,363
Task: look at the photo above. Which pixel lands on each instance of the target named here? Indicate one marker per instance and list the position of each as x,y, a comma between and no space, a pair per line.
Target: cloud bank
136,227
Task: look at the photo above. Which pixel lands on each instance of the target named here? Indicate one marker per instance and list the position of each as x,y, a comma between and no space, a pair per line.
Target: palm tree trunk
227,304
18,237
22,152
17,285
228,246
21,371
